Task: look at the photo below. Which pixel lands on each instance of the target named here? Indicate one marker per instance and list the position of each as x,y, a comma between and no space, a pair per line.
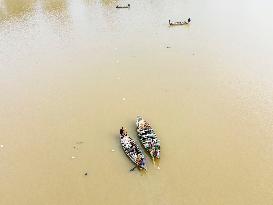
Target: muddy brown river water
73,72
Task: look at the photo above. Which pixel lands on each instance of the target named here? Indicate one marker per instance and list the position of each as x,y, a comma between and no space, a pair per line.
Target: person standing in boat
121,131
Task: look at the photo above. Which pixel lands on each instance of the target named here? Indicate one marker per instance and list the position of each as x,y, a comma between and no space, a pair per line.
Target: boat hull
148,138
133,151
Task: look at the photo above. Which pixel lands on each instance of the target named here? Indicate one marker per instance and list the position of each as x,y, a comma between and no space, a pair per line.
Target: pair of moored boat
148,139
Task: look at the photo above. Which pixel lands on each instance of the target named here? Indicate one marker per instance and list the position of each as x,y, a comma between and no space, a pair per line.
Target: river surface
73,72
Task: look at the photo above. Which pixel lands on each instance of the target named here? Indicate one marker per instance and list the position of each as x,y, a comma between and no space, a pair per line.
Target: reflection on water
102,2
15,8
54,6
57,12
108,2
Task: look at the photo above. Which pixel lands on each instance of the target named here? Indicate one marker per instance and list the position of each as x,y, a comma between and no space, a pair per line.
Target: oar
133,169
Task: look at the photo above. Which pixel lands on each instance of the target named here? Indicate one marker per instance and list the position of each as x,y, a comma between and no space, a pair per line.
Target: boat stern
142,164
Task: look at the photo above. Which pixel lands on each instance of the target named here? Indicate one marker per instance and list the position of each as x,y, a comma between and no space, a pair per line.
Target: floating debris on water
85,173
112,150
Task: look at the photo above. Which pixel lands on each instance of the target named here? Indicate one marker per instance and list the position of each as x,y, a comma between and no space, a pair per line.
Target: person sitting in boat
123,132
142,162
179,22
152,151
187,22
146,124
133,149
139,160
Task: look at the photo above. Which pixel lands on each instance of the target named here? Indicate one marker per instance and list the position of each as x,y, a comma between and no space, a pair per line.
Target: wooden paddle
133,169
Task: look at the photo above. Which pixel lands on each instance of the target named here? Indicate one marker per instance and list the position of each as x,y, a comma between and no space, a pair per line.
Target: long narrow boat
132,150
148,138
123,7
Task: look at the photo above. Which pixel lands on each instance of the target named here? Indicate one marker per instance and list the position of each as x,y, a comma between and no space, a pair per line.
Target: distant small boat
132,150
179,23
148,138
123,7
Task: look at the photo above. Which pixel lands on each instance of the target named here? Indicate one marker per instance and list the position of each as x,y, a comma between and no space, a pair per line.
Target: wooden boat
123,7
148,138
132,150
179,23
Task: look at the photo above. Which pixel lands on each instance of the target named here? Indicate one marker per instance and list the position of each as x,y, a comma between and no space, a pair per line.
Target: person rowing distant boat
179,22
123,7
